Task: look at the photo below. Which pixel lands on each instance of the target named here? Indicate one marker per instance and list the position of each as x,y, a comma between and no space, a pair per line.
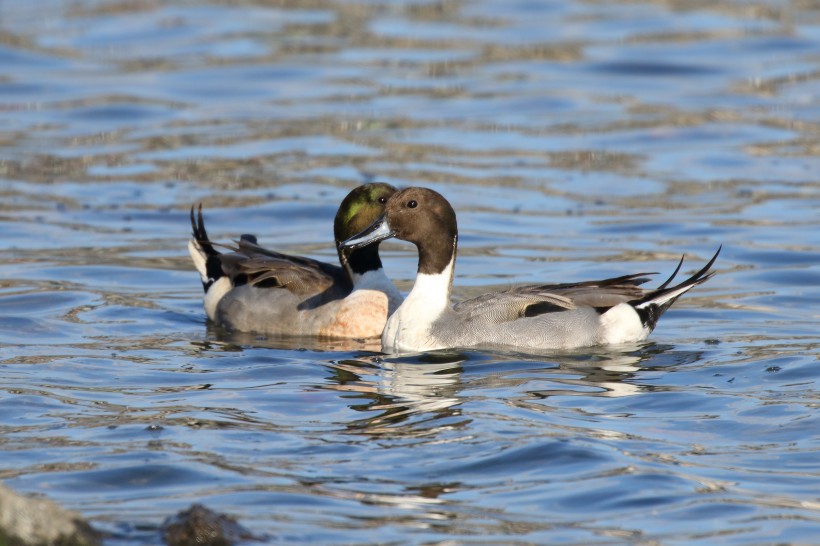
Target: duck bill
377,231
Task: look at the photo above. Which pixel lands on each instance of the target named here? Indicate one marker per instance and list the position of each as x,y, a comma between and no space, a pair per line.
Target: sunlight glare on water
576,140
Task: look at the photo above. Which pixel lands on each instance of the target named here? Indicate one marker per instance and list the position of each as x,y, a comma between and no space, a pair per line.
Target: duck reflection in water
422,394
414,395
238,340
419,395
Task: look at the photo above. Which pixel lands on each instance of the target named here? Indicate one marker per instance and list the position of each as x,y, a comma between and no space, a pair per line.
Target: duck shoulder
534,300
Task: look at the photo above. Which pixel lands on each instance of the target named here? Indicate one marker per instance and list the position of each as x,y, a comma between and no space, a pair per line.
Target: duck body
529,318
254,289
335,312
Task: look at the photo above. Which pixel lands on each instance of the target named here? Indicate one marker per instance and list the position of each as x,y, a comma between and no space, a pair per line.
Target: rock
31,521
199,526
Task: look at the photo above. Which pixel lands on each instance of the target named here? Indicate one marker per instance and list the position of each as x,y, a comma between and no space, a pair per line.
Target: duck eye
382,199
412,204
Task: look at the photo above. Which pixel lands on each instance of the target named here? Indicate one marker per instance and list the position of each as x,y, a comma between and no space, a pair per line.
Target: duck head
418,215
358,210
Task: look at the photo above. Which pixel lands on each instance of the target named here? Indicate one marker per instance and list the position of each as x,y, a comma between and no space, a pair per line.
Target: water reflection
623,135
412,396
420,395
615,373
235,341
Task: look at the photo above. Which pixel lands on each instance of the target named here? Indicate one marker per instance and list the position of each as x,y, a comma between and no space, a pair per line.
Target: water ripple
575,140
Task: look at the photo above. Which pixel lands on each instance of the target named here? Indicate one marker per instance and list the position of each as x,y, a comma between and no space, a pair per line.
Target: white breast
409,328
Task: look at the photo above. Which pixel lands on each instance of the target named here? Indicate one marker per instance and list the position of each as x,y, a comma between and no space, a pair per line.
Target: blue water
575,140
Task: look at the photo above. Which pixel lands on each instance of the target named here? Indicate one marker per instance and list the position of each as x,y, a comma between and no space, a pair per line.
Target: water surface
575,140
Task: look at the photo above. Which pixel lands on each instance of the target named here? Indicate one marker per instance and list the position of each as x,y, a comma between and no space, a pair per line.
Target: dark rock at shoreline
199,526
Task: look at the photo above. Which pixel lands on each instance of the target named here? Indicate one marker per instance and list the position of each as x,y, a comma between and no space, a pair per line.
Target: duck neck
430,296
434,279
361,261
436,256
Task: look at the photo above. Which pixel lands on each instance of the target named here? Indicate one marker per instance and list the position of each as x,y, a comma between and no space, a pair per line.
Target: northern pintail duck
253,289
536,317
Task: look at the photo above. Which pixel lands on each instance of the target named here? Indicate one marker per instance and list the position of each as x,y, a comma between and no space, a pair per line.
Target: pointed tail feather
652,305
205,256
673,275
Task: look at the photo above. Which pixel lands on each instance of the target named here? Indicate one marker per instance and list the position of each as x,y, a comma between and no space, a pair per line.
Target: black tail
652,305
207,260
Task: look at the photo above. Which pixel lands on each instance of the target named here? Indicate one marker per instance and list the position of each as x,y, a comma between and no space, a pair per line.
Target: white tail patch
217,289
215,294
622,324
199,258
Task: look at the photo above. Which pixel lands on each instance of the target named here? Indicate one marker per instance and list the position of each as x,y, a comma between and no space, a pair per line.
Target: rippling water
576,140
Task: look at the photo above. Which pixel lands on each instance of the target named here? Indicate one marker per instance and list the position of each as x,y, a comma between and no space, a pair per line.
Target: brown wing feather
276,273
264,268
